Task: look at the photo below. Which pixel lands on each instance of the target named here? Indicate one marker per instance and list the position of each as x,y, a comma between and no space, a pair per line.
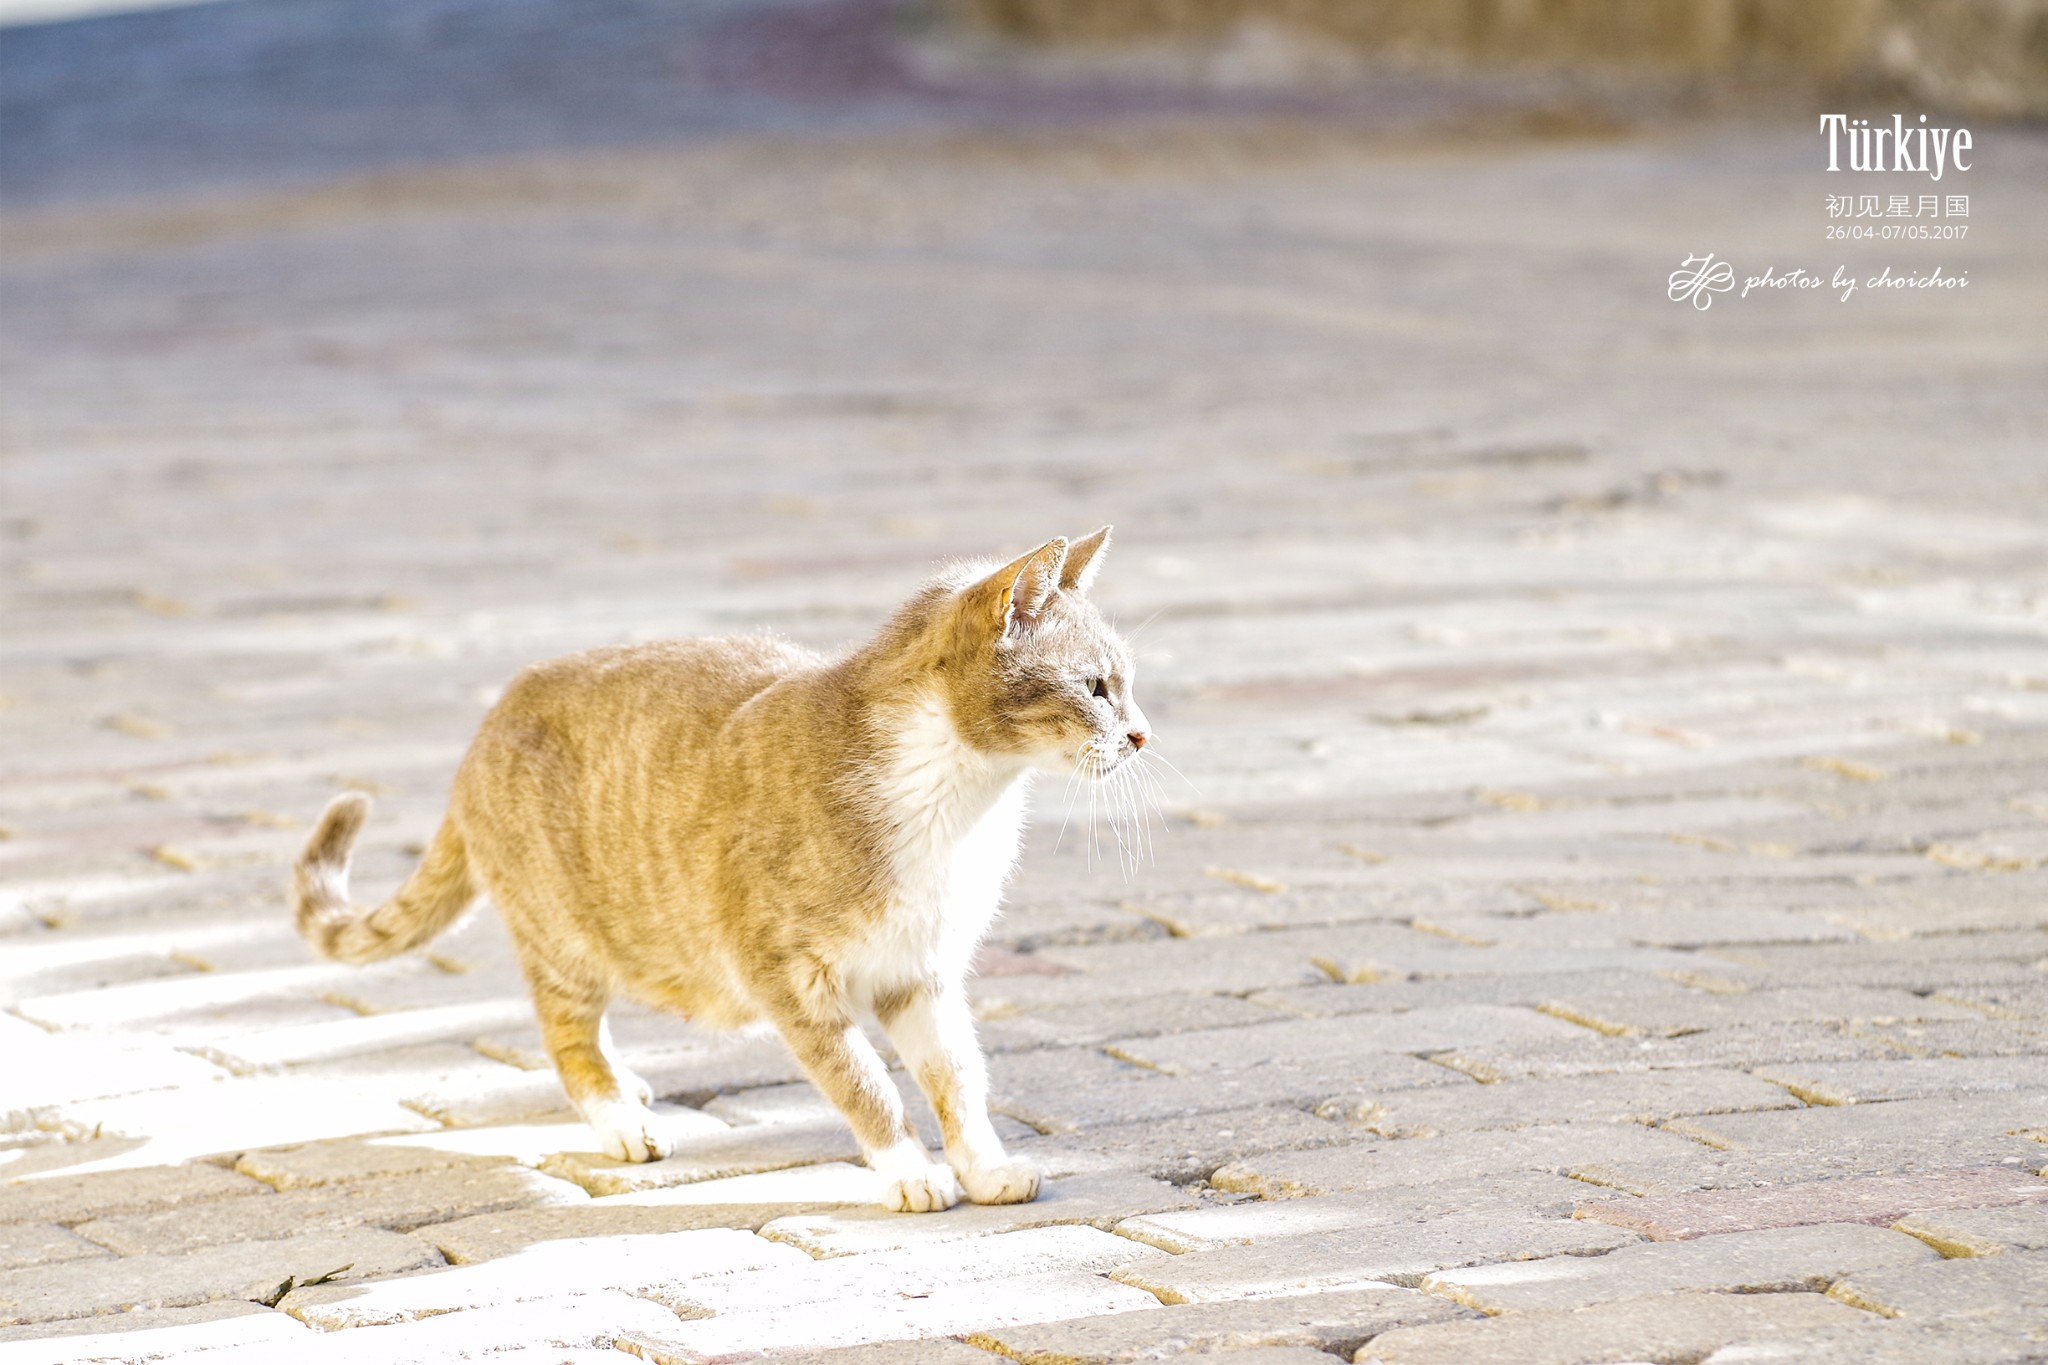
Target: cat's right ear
1084,561
1018,591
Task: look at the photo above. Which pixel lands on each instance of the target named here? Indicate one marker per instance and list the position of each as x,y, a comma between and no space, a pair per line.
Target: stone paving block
2008,1291
415,1073
1458,1156
87,1340
1879,1199
656,1267
241,1270
540,1332
135,948
1183,1148
1961,1038
2024,999
26,1244
1672,1016
1270,1355
504,1096
1940,916
48,1343
735,1151
532,1142
1738,1048
1093,1023
1524,989
1361,1257
1327,1047
1773,1261
1067,1090
923,1351
1907,1078
1260,1220
1946,1132
910,1270
1645,928
946,1311
75,1198
399,1203
1446,958
1675,1327
1238,910
1629,1097
908,1273
1337,1323
231,1115
335,1163
1173,966
488,1236
46,1069
1913,964
1880,1341
1099,1201
324,1040
1981,1232
795,1189
159,1005
1027,1276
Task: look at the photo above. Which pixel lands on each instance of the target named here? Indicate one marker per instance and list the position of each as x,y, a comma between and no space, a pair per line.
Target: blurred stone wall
1985,56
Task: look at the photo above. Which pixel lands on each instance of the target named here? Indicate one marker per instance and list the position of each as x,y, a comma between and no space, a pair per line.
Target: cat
736,829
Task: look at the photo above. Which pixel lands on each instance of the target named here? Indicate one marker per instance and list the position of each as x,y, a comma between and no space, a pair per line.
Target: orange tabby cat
737,829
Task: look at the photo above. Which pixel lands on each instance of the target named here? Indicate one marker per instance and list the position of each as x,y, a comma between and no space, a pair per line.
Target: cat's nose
1137,738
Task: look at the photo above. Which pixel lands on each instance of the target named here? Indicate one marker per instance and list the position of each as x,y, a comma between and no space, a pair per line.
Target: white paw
633,1084
628,1131
930,1190
1013,1182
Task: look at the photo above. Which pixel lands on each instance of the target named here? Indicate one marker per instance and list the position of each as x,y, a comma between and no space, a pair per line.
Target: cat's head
1032,671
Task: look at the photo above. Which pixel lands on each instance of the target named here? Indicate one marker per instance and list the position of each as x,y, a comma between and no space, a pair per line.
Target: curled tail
433,898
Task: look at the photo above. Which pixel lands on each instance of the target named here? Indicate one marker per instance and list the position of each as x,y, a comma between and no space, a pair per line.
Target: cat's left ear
1020,589
1084,561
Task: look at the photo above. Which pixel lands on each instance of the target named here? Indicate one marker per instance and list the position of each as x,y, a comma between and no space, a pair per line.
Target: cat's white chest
956,822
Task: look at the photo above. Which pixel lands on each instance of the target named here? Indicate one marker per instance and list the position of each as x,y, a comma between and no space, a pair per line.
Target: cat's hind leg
614,1105
934,1032
630,1081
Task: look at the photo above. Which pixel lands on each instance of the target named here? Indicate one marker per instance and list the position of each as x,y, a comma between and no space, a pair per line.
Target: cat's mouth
1098,761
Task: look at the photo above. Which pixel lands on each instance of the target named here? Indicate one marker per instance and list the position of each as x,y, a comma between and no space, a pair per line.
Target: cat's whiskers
1126,795
1152,752
1119,814
1073,777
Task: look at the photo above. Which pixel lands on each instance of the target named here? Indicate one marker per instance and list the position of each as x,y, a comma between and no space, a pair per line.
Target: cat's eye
1097,687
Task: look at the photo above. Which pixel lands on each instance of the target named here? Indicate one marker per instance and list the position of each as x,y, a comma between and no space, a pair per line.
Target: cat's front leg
934,1032
846,1067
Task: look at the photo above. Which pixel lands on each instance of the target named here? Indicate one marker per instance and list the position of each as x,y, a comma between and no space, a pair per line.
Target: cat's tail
433,898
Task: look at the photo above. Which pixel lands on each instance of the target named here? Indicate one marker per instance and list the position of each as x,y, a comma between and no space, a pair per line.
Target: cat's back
661,692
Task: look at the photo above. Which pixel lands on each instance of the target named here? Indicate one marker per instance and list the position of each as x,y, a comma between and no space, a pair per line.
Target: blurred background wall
1988,56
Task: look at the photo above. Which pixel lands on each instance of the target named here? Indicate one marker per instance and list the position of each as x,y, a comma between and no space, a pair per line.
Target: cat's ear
1084,561
1019,590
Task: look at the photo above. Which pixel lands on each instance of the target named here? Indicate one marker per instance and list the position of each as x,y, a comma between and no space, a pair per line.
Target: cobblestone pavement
1603,919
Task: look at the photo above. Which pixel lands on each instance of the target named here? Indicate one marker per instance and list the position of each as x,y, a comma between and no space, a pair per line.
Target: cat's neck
930,783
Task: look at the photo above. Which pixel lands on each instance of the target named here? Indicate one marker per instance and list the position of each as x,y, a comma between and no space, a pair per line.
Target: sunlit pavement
1598,915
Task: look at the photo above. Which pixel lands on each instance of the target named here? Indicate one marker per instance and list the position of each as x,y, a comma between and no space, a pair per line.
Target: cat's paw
634,1084
1013,1182
628,1131
931,1190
